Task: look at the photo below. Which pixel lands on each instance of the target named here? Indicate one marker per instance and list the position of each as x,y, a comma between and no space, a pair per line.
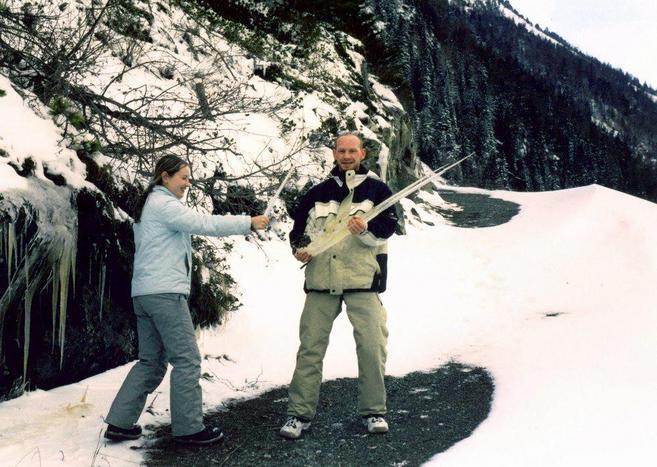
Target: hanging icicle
55,296
102,287
11,247
64,254
38,258
27,318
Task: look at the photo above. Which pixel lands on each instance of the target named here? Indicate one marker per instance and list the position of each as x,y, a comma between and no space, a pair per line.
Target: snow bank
558,304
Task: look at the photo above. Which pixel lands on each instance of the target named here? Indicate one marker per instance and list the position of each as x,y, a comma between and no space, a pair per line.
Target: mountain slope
476,76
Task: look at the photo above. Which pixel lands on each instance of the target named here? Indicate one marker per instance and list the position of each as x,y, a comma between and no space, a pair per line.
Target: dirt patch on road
428,413
477,210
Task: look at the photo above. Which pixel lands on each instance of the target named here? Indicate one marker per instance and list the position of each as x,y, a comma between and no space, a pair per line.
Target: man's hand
259,222
357,225
303,256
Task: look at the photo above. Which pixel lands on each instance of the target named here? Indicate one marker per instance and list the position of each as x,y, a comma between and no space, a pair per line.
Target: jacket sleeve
179,217
298,239
382,226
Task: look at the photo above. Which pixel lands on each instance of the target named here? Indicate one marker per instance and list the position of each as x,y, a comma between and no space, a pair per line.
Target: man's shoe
204,437
375,424
293,428
120,434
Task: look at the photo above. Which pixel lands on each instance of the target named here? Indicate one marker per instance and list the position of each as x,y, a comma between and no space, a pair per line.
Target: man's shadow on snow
428,413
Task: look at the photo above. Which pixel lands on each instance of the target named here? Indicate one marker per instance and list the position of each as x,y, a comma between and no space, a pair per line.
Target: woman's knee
153,372
187,360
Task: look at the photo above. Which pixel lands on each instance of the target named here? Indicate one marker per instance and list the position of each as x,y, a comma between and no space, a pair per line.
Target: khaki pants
368,318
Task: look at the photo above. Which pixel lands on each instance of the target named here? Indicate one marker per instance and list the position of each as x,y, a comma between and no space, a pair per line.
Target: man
352,271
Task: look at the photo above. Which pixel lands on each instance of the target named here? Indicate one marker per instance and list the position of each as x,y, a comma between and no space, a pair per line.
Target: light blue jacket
163,244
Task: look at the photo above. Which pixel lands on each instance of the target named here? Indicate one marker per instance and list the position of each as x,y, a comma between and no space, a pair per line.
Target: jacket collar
339,174
163,189
351,178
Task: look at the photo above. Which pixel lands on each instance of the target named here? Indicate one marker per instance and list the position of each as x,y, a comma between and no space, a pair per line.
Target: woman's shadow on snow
428,413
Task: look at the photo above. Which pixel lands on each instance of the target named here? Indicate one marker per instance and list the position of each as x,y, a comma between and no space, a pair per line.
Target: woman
160,286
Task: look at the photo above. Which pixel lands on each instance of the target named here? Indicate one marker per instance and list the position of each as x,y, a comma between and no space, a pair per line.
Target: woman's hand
259,222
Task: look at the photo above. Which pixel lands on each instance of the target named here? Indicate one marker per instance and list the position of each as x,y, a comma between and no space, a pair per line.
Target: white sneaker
376,424
293,428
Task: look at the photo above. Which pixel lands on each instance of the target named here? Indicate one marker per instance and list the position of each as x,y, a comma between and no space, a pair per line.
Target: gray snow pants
166,334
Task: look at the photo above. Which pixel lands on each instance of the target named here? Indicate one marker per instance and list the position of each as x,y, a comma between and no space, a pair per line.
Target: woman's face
178,182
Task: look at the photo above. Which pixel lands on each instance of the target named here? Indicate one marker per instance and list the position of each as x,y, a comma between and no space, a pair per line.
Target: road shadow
476,210
428,413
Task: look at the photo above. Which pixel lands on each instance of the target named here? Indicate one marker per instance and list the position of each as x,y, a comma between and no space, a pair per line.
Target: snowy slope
19,122
577,388
572,389
521,21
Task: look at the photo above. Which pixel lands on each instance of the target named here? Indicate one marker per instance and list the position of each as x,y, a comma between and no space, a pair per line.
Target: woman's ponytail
142,201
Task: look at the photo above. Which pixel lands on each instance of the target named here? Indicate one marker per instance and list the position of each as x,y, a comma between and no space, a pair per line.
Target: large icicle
27,318
272,200
55,297
323,243
103,271
63,255
47,259
11,247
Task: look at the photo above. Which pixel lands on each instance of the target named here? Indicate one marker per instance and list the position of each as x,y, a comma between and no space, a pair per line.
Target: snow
389,98
558,304
358,110
577,388
18,125
379,26
10,180
529,26
313,111
652,96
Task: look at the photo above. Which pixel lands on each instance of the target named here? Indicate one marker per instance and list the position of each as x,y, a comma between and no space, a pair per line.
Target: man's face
348,152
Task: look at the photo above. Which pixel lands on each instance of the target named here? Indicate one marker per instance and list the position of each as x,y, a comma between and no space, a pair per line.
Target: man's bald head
349,151
348,135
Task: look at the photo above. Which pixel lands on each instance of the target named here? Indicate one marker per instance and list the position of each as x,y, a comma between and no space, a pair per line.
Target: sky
621,33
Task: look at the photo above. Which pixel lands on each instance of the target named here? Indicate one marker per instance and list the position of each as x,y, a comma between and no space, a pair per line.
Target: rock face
403,164
66,306
93,328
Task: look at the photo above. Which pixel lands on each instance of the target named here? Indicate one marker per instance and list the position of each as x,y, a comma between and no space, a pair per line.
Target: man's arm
382,226
298,238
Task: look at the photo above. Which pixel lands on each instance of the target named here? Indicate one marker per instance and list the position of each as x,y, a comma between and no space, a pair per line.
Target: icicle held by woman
161,283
